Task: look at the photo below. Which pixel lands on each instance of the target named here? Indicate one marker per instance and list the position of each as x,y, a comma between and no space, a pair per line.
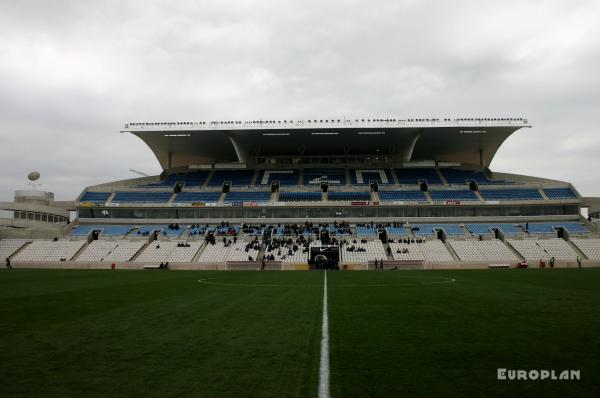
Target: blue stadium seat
458,176
95,197
392,196
415,175
197,197
300,196
483,229
142,197
396,231
236,177
463,194
511,194
107,230
284,177
365,176
330,176
252,196
350,196
430,229
560,193
550,228
191,179
365,231
162,230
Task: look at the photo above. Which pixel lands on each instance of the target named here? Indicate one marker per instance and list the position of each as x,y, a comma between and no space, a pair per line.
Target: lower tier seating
8,247
589,247
49,250
234,251
543,249
430,250
483,251
357,252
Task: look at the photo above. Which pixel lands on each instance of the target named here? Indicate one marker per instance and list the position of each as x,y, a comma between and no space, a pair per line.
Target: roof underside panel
463,144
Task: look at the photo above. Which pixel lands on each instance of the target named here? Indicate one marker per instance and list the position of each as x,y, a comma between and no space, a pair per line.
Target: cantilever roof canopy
469,141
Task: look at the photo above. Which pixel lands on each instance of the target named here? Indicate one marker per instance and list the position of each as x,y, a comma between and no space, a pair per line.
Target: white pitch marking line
324,366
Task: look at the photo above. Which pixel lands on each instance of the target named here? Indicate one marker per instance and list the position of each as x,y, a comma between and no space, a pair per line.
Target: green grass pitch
66,333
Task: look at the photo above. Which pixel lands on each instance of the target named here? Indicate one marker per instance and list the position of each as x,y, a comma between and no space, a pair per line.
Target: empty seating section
543,249
589,247
95,197
142,197
235,177
511,194
365,176
483,251
458,176
483,229
349,196
197,197
462,195
47,250
8,247
405,196
191,179
393,232
574,228
362,252
253,196
560,193
220,253
106,230
96,251
365,231
283,177
300,196
431,229
124,251
416,175
431,250
330,176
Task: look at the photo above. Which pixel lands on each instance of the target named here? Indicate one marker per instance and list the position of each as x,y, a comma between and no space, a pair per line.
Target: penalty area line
324,364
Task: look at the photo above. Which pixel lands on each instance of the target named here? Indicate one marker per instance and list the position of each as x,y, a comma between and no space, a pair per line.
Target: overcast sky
73,72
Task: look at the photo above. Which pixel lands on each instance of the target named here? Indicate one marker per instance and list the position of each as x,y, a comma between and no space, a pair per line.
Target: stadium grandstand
297,194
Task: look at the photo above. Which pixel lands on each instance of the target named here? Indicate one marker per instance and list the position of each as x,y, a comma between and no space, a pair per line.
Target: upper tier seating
560,193
462,195
235,177
511,194
105,230
408,196
142,197
191,179
284,177
550,228
415,175
365,176
253,196
362,230
124,251
197,197
8,247
353,252
330,176
431,250
48,250
589,247
349,196
95,197
458,176
300,196
393,232
224,229
164,230
482,251
483,229
431,229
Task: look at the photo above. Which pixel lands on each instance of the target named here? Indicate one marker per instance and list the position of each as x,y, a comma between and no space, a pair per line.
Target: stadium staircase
208,177
441,176
395,177
513,250
274,197
301,178
479,196
375,197
81,250
111,197
19,250
544,196
451,251
324,197
348,178
428,196
254,178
